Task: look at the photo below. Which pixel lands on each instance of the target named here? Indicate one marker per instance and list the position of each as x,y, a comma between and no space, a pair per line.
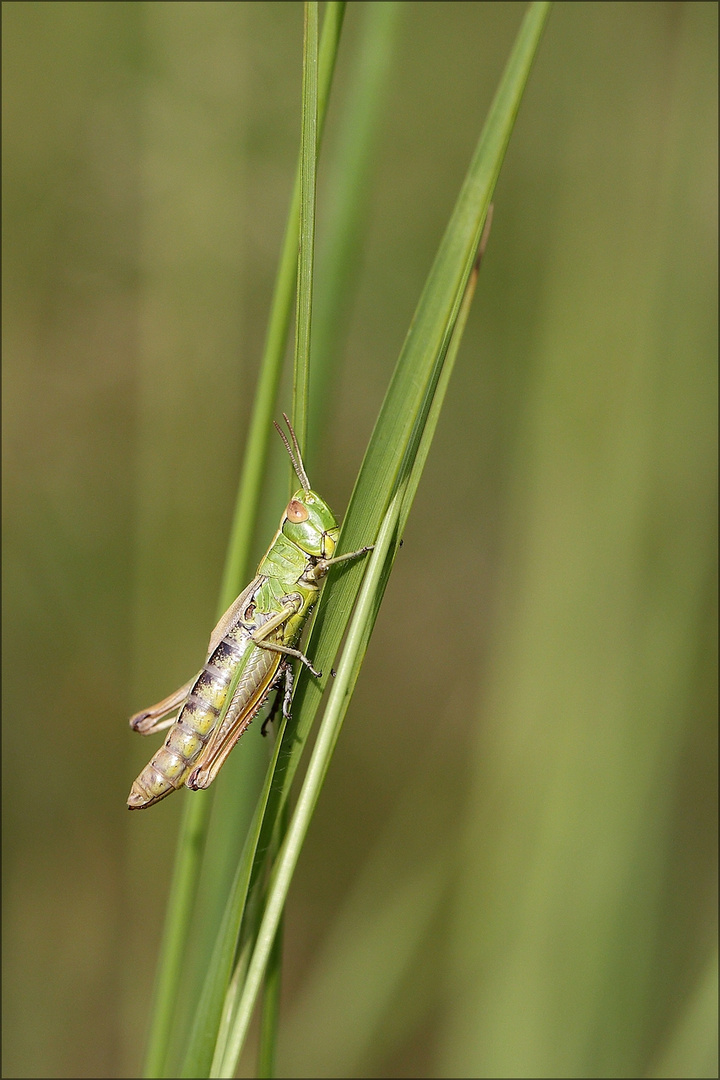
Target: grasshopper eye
296,512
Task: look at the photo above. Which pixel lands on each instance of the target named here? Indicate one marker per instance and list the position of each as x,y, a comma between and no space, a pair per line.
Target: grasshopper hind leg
286,673
158,717
287,696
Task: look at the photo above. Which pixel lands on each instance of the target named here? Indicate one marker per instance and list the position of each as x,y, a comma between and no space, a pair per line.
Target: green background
512,869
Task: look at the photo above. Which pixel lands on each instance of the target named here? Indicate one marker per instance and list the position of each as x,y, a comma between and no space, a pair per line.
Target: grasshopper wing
257,680
233,613
157,717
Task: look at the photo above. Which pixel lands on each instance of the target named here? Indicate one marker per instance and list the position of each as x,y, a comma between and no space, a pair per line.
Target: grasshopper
249,651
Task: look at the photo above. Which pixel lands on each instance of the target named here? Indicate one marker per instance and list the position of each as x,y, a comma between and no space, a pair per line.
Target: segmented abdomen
198,717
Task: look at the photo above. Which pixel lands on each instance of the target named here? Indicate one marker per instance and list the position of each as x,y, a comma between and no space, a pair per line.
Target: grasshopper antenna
297,462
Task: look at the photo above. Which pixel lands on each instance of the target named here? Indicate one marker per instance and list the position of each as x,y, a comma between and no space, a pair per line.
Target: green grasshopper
249,651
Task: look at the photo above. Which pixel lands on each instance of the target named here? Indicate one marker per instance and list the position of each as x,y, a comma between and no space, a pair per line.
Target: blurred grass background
512,869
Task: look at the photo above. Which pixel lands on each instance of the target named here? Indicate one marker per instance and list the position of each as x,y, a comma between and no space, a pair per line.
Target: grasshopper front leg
317,572
282,616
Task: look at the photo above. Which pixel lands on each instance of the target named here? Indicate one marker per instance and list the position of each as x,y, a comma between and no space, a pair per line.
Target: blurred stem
196,813
183,889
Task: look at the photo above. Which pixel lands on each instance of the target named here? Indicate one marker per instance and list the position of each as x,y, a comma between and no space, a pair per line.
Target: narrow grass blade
439,395
209,1013
270,1008
426,431
410,394
301,383
357,640
356,645
306,251
254,459
290,850
385,476
183,889
345,208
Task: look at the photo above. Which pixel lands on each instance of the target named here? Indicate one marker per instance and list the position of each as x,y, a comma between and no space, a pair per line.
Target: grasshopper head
309,522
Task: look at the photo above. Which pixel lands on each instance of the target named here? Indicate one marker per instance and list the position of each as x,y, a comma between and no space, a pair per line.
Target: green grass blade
384,482
183,889
306,252
343,685
270,1008
357,641
255,457
301,383
193,830
426,431
231,999
361,118
447,370
411,392
208,1017
290,850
